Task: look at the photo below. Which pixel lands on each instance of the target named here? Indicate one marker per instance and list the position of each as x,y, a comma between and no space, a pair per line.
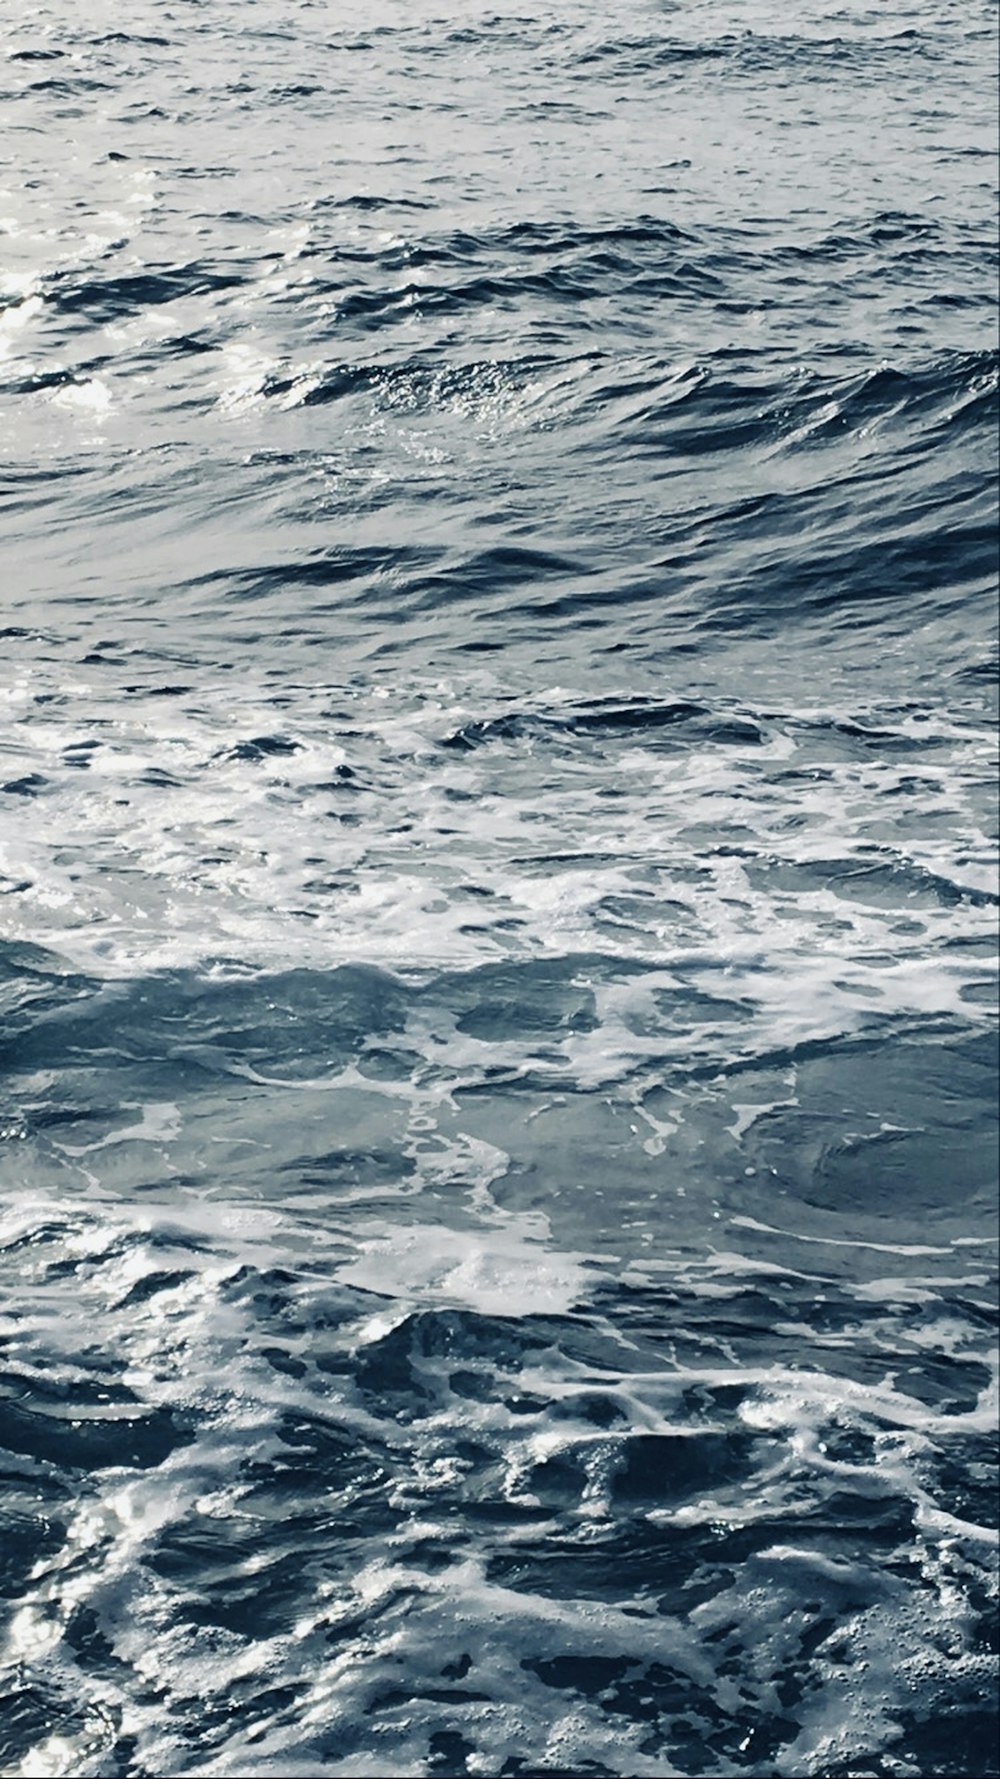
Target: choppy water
498,846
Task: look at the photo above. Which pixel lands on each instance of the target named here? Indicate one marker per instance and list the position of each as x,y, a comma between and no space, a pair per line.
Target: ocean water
499,897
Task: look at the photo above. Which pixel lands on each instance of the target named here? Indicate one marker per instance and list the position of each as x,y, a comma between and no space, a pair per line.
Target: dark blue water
498,868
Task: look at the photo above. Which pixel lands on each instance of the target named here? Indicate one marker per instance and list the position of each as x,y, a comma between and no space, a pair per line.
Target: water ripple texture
498,890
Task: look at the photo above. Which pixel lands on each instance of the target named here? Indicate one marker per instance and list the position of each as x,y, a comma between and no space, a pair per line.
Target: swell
545,264
823,547
750,54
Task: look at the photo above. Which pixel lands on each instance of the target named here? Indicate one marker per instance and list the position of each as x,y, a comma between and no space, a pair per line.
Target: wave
498,894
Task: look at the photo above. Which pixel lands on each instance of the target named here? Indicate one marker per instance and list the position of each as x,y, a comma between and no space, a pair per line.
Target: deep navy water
499,897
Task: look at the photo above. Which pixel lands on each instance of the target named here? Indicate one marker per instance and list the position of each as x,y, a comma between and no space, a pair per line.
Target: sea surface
499,899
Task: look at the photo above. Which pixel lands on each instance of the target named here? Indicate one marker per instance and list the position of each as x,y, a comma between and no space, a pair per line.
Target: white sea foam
501,1271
